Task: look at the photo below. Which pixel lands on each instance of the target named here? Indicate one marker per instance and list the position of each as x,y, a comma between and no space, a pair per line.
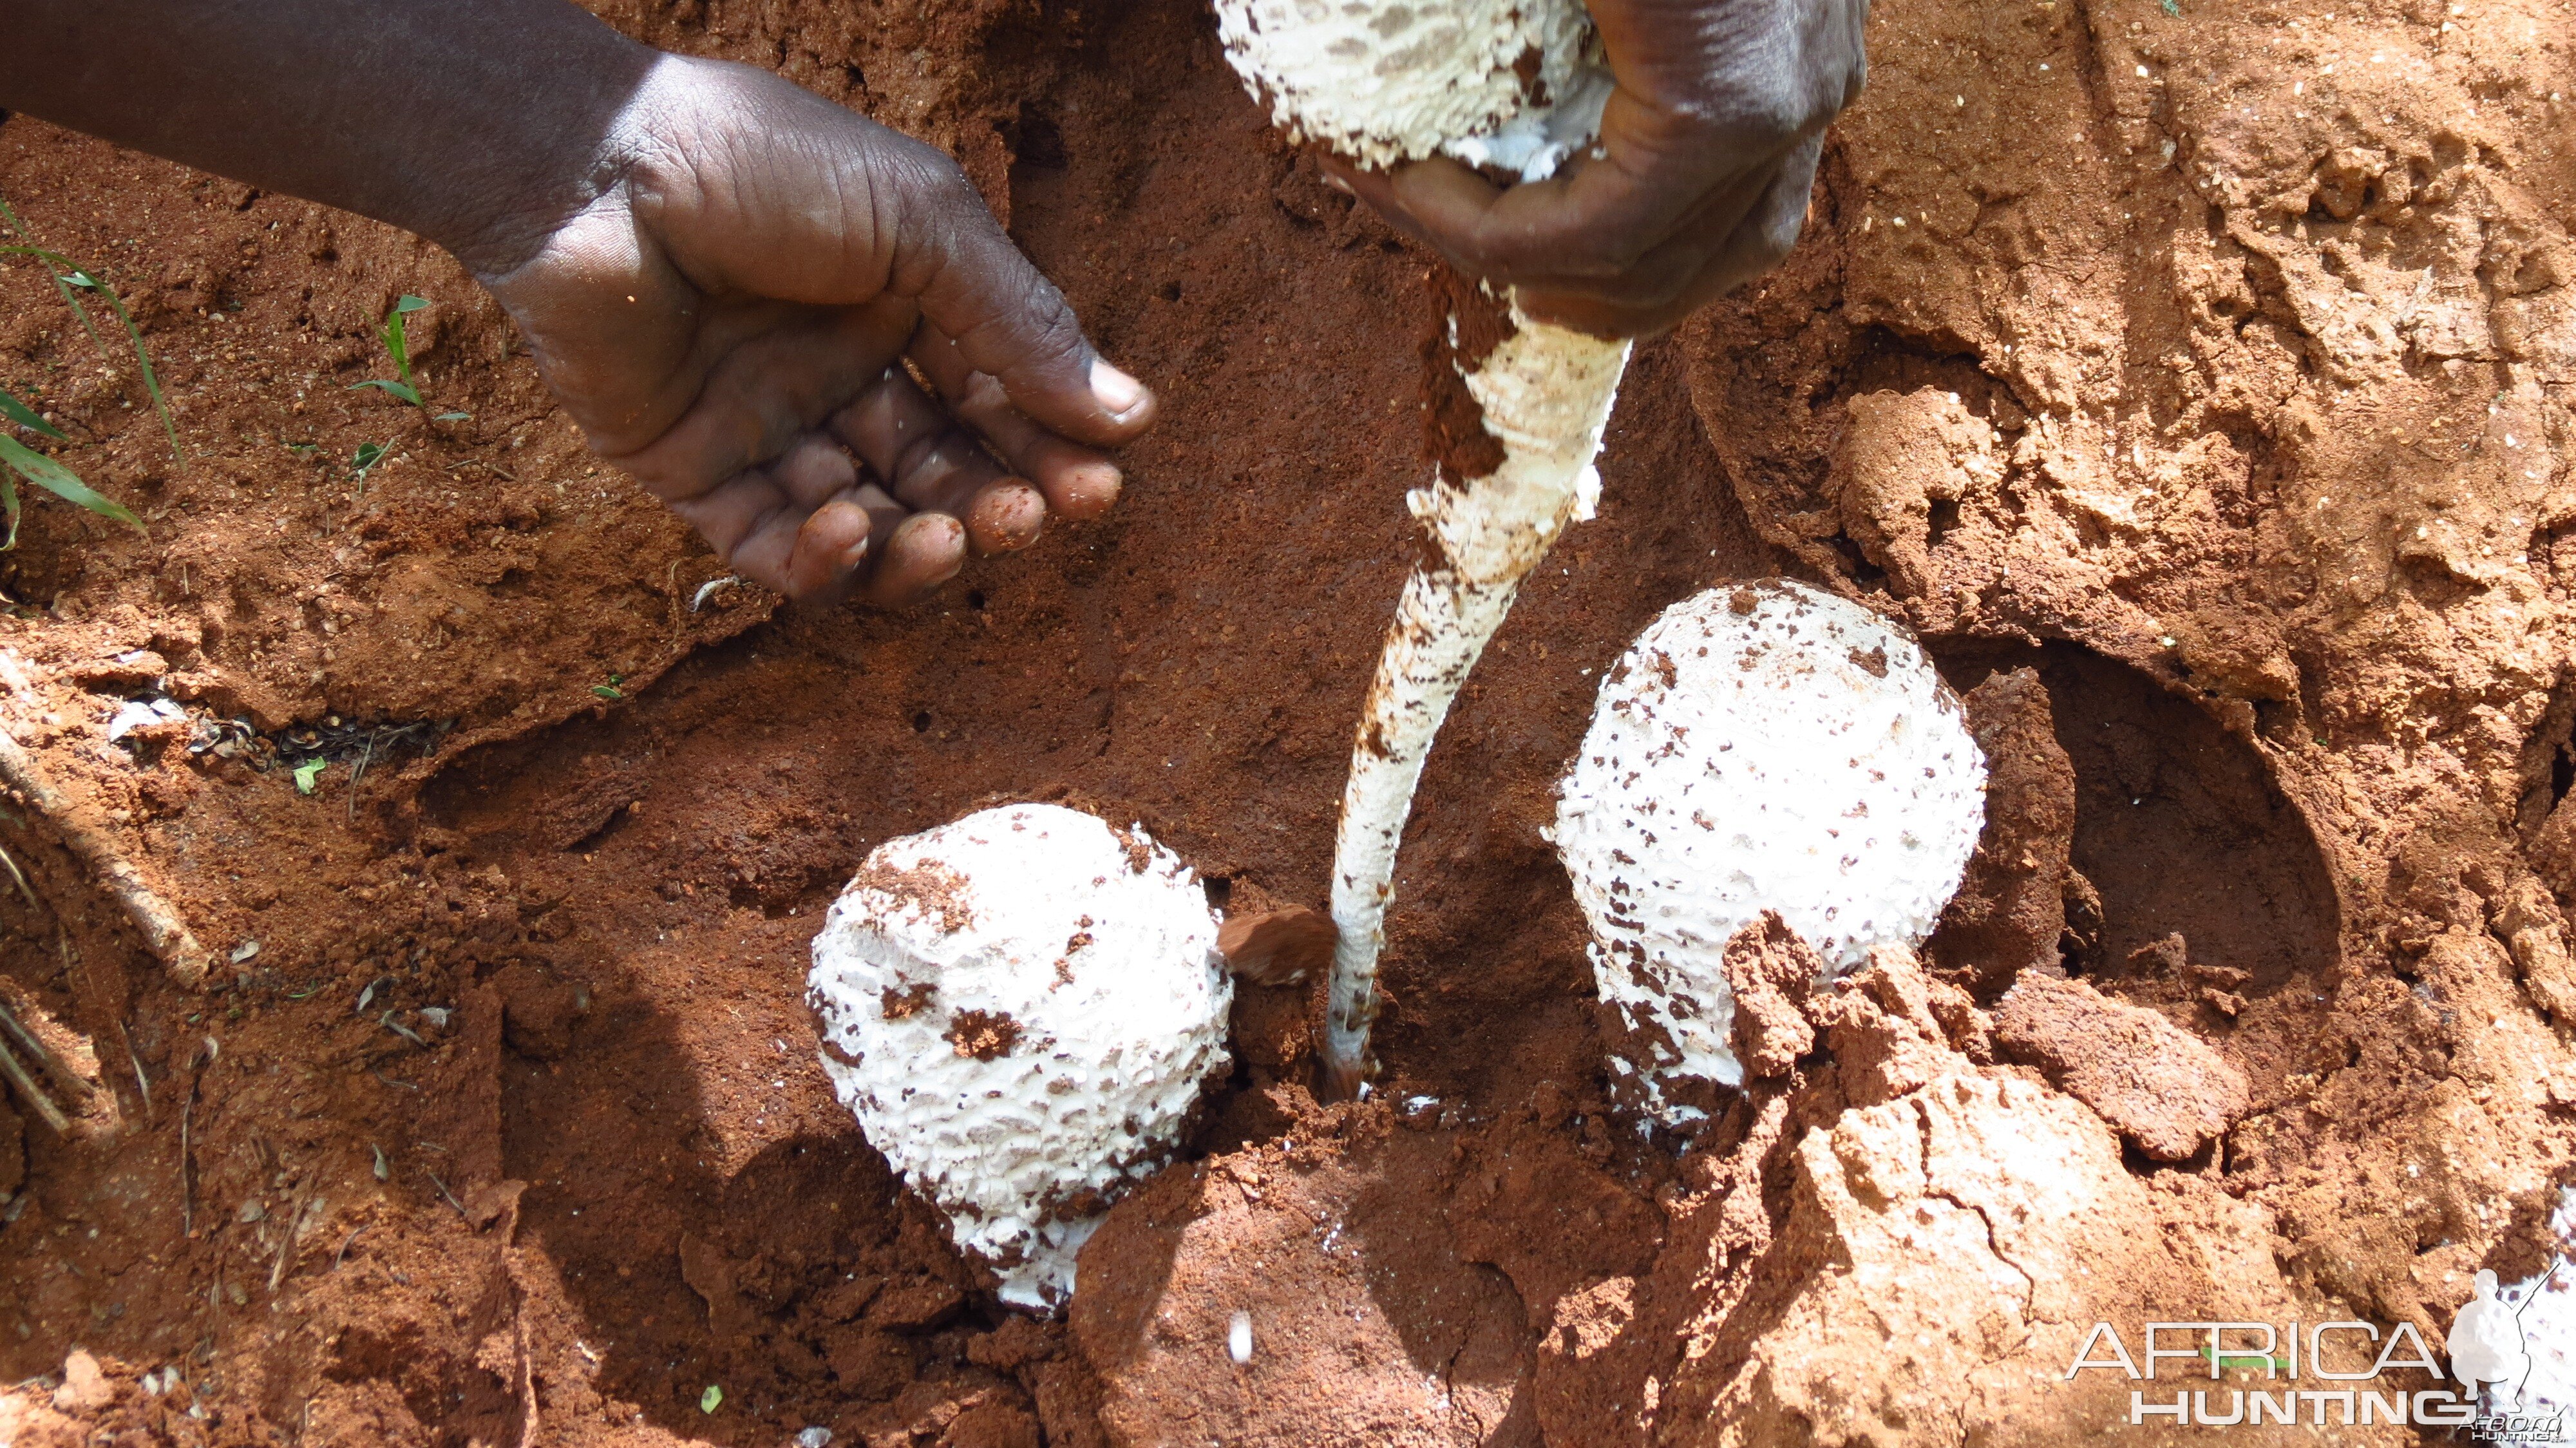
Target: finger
730,512
814,470
1007,319
922,456
768,390
1006,516
1078,482
762,535
925,551
829,548
750,523
1764,237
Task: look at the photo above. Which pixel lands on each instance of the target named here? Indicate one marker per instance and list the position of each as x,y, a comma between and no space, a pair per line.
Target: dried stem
14,1032
16,1074
162,928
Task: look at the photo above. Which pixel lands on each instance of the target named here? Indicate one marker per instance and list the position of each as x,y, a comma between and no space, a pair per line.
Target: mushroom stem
1545,392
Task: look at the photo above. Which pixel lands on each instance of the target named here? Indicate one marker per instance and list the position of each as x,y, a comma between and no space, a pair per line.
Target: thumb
1006,319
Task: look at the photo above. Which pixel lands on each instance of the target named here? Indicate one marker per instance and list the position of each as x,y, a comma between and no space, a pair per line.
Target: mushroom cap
1020,1007
1383,81
1760,747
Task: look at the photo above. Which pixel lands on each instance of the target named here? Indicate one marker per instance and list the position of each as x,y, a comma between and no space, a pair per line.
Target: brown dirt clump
2155,1083
1772,973
2218,375
1277,947
2010,913
1463,326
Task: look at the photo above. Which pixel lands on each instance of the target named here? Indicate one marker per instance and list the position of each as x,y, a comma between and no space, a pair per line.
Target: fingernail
1115,390
856,553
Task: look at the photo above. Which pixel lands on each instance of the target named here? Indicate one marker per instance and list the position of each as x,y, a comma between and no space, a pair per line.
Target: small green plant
711,1399
70,280
45,473
26,417
397,343
364,460
24,462
307,773
21,463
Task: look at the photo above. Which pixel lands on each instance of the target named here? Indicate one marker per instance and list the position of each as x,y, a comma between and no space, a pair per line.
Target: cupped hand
1699,182
807,335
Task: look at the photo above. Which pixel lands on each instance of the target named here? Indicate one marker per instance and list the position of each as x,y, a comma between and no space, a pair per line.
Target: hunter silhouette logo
2489,1353
2486,1343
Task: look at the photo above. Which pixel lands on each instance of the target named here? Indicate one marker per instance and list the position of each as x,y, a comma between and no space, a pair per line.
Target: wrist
496,218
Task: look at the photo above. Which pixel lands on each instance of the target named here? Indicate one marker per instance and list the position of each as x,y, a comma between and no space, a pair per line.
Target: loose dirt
2213,367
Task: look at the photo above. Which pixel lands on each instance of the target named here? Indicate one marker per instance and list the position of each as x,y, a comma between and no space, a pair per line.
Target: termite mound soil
2226,395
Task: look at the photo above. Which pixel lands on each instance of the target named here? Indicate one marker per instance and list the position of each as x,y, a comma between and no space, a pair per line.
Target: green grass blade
62,482
61,288
403,390
27,417
151,379
133,333
398,337
9,503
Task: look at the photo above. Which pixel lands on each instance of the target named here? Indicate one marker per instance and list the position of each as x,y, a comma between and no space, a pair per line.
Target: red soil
2236,412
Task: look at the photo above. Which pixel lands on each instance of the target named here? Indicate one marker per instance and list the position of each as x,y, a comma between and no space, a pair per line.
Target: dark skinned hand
729,321
1699,182
730,282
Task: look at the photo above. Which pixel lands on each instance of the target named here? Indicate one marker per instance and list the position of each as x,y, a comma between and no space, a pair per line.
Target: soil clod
2160,1085
1277,947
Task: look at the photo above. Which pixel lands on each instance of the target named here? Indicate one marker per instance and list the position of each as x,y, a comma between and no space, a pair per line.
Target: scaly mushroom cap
1760,747
1506,83
1020,1007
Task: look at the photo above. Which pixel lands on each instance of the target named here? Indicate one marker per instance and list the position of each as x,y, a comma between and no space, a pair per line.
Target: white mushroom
1384,81
1760,747
1021,1007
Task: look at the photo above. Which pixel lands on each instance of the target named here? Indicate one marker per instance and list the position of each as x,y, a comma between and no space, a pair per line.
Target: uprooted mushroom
1514,85
1021,1007
1760,748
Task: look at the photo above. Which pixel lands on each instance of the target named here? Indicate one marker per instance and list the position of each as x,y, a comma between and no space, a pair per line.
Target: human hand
1699,182
730,317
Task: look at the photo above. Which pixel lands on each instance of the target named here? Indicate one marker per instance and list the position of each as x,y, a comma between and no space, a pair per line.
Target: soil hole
921,722
2180,830
1220,891
1039,141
